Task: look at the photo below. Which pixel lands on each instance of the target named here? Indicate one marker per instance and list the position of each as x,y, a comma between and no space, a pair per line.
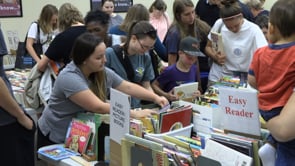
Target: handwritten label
120,115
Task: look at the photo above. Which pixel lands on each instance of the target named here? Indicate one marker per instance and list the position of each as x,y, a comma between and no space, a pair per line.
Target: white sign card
240,110
119,115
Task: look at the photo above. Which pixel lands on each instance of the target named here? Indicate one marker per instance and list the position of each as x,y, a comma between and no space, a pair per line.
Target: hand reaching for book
142,113
161,100
171,96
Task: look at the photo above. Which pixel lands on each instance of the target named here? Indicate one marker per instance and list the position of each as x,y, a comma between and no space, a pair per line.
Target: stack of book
18,79
167,120
82,135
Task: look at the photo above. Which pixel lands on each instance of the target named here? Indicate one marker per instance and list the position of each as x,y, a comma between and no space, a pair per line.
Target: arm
139,92
42,64
31,51
170,96
160,49
282,126
172,59
147,85
217,57
88,100
8,103
252,81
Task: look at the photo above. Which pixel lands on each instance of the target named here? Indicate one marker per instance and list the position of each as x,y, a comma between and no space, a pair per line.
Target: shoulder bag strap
124,61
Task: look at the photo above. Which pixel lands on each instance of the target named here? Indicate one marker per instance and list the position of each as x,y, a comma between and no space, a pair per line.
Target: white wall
32,9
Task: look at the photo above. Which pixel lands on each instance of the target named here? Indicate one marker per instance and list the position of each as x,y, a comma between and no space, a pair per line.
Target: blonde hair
68,14
45,17
254,4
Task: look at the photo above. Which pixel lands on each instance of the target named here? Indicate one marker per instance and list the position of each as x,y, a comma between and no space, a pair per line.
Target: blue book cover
57,152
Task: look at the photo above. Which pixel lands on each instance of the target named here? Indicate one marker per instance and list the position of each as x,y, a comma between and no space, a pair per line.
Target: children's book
56,152
136,127
225,155
94,121
78,135
217,43
175,119
186,90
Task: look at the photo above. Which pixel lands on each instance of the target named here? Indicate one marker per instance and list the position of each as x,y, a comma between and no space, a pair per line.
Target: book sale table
69,161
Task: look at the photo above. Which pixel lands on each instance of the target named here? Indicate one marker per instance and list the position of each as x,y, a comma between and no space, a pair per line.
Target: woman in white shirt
47,24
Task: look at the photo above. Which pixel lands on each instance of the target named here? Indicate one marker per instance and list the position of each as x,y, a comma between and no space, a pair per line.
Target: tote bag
23,58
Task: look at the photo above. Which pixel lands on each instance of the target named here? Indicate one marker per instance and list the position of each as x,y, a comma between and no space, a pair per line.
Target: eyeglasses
144,47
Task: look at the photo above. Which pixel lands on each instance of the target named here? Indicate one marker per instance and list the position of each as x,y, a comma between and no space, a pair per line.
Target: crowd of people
146,54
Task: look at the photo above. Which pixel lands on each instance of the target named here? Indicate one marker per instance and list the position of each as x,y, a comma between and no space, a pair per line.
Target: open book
186,90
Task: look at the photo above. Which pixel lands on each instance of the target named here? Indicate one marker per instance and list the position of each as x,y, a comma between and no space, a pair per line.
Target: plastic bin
185,131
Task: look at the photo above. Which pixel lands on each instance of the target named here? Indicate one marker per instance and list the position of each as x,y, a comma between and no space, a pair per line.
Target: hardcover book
78,136
175,119
93,120
186,90
138,151
136,127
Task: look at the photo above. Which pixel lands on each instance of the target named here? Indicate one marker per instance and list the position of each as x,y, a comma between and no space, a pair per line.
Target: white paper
119,115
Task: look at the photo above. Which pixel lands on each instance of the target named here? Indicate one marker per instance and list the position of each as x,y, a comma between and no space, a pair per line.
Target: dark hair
159,5
141,30
97,16
282,16
229,8
84,46
262,21
104,1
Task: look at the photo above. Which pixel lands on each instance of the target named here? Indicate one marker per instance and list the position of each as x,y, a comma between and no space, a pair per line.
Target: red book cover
78,136
176,119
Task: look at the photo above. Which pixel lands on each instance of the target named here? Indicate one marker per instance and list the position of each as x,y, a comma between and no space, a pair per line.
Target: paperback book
56,152
186,90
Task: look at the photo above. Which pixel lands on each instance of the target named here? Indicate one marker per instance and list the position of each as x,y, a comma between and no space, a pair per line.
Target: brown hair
104,1
178,9
229,8
45,17
135,13
83,47
141,30
159,5
282,16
